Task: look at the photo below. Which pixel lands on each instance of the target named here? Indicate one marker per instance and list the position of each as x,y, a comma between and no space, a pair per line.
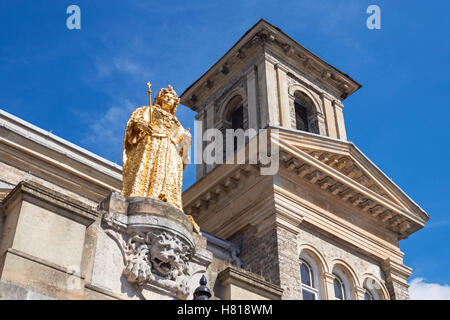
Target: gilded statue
155,151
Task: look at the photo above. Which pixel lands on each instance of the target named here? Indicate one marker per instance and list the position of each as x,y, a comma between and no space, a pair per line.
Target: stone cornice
264,34
72,208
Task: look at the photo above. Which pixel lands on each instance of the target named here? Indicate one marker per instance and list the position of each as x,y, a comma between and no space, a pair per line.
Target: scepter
149,92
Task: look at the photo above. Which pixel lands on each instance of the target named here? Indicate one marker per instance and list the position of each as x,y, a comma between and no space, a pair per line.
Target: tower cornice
266,36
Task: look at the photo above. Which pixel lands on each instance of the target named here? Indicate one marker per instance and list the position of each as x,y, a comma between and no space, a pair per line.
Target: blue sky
83,84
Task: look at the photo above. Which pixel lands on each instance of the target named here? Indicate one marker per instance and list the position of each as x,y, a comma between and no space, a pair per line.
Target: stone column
252,97
283,96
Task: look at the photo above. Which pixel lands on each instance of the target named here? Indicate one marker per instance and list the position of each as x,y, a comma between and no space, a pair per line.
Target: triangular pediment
340,168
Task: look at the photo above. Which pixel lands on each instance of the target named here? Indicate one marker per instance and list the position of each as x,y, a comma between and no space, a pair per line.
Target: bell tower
268,79
327,224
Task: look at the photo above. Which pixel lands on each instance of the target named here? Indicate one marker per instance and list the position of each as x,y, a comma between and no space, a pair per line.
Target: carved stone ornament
156,244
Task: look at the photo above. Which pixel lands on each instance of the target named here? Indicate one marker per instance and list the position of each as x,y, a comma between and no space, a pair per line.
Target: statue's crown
169,89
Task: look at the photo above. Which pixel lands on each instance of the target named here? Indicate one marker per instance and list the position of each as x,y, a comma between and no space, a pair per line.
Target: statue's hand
186,145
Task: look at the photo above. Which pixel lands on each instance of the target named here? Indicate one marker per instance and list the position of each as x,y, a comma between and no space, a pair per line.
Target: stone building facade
325,225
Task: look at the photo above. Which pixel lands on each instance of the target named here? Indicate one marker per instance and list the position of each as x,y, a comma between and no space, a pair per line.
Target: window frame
313,275
347,281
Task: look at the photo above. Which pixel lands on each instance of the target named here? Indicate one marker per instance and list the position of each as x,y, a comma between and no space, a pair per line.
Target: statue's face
168,100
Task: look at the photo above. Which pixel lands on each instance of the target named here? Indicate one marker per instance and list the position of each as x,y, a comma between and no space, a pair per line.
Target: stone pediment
340,168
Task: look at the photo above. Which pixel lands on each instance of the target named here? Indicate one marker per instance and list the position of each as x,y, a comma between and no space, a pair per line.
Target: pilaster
283,96
396,279
200,126
268,92
289,263
209,124
252,98
329,114
340,124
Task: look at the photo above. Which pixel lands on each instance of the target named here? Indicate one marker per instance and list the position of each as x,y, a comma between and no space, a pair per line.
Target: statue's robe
153,156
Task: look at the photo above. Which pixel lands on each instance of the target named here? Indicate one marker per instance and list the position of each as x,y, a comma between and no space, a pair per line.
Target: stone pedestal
157,244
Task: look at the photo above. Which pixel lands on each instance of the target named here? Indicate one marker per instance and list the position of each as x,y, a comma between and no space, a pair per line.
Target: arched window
342,285
309,279
339,289
233,117
234,113
306,115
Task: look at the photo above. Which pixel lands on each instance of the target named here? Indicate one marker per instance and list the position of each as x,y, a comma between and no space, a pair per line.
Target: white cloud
420,290
123,64
106,131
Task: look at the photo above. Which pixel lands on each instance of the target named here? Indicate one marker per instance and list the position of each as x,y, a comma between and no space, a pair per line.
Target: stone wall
260,254
274,256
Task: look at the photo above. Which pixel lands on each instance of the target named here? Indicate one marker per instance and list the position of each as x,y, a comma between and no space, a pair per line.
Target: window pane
308,295
305,275
338,290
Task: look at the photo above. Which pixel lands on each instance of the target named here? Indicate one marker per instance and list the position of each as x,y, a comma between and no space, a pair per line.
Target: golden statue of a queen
155,150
